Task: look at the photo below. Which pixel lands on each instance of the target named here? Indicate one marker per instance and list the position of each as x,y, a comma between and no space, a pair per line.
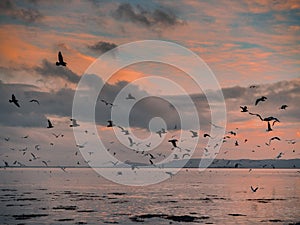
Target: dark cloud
102,46
139,15
49,70
28,15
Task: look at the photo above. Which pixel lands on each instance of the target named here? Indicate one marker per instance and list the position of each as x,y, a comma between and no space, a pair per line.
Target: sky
243,43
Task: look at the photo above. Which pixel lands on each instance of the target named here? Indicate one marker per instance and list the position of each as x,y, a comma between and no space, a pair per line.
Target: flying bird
253,86
261,99
130,97
173,141
170,174
236,143
274,138
284,107
206,135
60,60
194,133
110,123
107,103
232,132
131,142
14,100
244,108
254,189
49,124
56,135
37,147
279,155
46,164
74,123
34,100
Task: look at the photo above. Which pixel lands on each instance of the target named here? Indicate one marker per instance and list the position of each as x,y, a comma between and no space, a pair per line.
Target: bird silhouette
274,138
283,107
49,124
254,189
110,123
232,132
173,141
194,133
130,97
244,108
14,100
74,123
34,100
261,99
206,135
131,142
253,86
60,60
279,155
236,143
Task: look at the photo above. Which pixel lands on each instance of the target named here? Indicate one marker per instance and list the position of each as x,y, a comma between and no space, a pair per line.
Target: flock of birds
174,142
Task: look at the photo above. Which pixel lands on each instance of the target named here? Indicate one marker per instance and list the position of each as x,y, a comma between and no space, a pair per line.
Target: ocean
213,196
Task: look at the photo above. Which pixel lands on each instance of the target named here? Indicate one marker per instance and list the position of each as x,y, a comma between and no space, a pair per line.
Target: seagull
279,155
244,108
206,135
283,107
186,154
26,136
274,138
45,163
170,174
6,139
126,132
60,60
107,103
34,100
173,141
194,133
6,163
131,142
74,123
56,135
253,86
236,143
34,157
254,189
110,123
14,100
130,97
63,168
232,132
37,147
148,145
49,124
261,99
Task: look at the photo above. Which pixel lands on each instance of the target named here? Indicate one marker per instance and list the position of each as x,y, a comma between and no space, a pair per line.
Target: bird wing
17,104
60,57
257,101
13,97
49,123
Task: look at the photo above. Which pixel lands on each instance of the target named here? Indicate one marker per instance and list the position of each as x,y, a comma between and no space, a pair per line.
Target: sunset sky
243,42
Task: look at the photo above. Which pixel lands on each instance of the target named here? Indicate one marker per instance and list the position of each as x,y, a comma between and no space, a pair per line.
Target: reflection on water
215,196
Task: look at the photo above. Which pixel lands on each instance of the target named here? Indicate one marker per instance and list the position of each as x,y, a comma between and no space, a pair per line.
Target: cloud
102,46
146,18
51,70
28,15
